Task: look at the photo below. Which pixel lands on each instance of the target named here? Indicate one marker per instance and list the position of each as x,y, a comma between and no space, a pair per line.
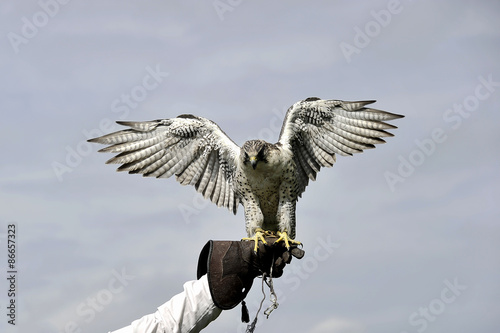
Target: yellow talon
259,235
283,236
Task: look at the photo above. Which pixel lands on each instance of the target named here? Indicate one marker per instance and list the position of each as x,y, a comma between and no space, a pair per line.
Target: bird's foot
258,236
283,237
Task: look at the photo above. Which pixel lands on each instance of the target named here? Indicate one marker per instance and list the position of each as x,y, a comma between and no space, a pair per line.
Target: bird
266,179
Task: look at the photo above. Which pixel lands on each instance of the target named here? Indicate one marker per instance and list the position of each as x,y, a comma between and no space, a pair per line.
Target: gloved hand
231,267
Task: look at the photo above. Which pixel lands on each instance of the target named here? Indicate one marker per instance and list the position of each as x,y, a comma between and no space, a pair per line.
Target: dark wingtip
396,116
370,101
187,116
126,123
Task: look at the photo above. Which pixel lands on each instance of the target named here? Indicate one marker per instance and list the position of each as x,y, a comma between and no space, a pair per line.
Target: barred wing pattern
193,148
315,130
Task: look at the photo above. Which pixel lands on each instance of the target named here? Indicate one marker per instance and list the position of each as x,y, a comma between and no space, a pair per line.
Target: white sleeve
188,312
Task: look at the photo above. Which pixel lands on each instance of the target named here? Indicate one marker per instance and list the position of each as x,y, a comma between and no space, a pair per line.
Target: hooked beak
253,161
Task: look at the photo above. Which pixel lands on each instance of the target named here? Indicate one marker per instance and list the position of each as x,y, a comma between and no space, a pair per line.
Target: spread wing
194,149
315,130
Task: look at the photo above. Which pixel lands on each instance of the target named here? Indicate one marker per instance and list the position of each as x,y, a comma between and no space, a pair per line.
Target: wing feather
315,130
303,157
189,147
122,147
367,142
193,171
205,177
211,187
222,189
131,156
122,137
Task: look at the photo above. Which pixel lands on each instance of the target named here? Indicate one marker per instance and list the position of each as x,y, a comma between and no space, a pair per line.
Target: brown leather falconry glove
231,267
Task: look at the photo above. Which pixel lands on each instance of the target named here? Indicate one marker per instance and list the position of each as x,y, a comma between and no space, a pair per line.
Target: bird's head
253,152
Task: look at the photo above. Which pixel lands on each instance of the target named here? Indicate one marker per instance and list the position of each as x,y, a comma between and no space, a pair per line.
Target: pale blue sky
403,238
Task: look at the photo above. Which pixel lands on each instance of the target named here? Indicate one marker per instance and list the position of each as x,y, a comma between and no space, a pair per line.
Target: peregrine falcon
267,179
